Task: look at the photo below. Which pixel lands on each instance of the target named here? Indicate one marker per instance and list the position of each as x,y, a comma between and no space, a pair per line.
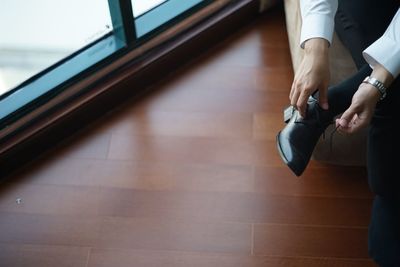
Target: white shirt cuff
385,52
317,26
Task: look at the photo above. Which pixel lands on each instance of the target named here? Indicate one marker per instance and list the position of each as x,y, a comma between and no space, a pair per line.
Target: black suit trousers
358,23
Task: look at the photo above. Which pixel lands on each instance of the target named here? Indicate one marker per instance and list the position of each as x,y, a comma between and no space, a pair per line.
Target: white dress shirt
318,22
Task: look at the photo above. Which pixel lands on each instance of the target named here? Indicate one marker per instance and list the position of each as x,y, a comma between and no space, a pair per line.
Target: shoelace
331,138
331,135
288,113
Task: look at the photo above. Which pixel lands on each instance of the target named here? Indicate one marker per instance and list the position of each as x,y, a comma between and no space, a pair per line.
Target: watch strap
377,84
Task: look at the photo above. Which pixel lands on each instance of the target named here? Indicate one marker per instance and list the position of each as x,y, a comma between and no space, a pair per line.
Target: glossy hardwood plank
338,181
329,181
145,258
49,199
267,125
42,256
140,175
119,232
222,100
193,206
235,207
200,75
249,56
185,124
274,80
48,229
296,240
251,47
193,150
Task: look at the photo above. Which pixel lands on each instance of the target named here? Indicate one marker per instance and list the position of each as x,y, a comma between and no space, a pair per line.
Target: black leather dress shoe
297,140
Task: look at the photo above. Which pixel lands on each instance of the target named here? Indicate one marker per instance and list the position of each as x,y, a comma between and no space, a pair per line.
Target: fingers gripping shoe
297,140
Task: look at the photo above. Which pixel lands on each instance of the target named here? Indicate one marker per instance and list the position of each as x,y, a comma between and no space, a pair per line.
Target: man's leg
384,180
384,229
358,24
383,241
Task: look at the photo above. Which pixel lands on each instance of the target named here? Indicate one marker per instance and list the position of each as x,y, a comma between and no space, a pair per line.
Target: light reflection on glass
142,6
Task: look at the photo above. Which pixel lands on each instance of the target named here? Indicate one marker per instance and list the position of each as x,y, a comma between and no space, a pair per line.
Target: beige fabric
346,150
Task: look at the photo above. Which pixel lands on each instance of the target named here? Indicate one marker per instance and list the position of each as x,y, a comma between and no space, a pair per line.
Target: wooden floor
190,176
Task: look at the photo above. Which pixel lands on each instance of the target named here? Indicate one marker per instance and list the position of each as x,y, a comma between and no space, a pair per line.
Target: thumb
323,98
346,118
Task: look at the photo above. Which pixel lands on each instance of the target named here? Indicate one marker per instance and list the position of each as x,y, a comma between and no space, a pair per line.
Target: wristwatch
377,84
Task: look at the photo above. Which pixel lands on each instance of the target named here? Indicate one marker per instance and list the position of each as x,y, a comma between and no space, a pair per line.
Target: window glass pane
142,6
160,15
36,34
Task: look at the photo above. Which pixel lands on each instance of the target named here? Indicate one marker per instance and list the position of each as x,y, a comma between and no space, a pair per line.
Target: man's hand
360,112
313,74
362,107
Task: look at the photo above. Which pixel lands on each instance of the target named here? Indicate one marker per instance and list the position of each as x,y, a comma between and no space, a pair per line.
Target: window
46,45
141,7
165,11
45,32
